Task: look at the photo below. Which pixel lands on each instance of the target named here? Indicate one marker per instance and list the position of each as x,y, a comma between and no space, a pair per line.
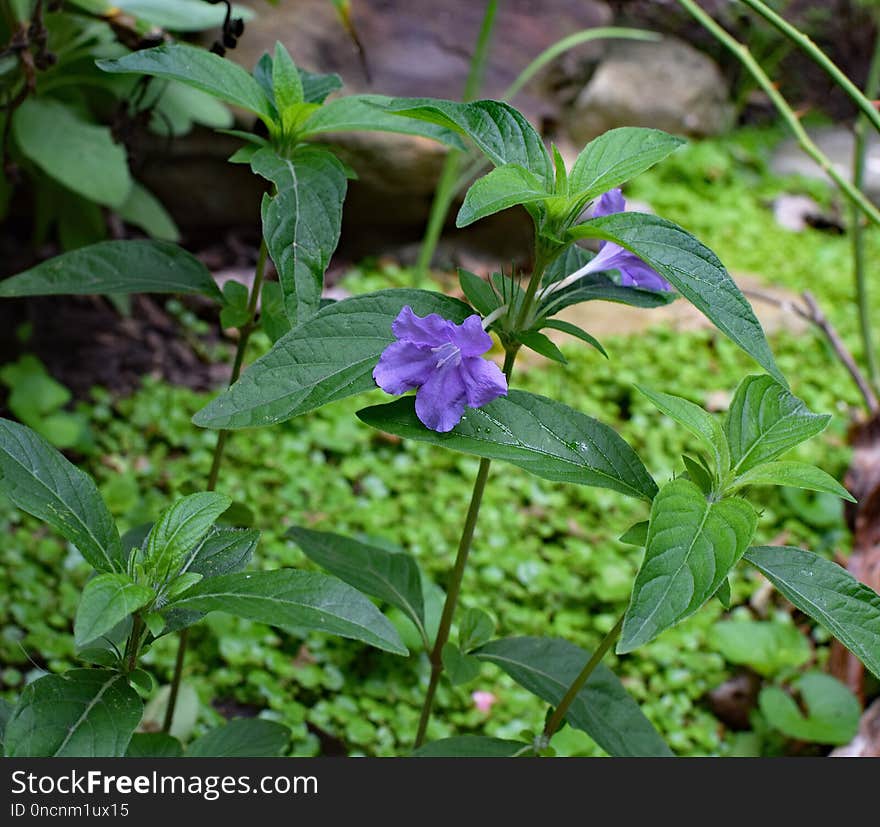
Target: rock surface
667,85
420,47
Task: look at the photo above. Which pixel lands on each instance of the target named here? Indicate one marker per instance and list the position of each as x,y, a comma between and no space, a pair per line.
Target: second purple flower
443,360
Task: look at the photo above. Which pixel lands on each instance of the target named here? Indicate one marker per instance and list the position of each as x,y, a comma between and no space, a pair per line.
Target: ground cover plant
695,518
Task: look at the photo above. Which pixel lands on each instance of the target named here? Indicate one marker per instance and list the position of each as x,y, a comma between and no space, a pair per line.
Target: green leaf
287,88
723,594
471,746
369,113
80,155
144,210
693,269
829,594
329,357
603,709
765,420
391,576
692,545
84,713
765,646
115,268
696,420
242,738
223,551
460,668
794,474
180,15
501,133
295,600
616,157
6,709
574,330
107,600
571,259
474,629
698,474
503,187
235,311
155,623
200,69
534,340
178,585
316,87
302,222
180,107
831,714
478,292
39,480
179,530
592,287
153,745
542,436
598,287
273,317
143,680
635,535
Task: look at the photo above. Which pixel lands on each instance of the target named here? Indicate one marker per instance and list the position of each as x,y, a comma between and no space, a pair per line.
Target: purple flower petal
635,273
470,338
440,402
483,381
611,256
609,203
431,331
404,366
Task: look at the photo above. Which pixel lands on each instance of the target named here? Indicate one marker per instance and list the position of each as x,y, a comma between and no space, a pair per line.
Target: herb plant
700,525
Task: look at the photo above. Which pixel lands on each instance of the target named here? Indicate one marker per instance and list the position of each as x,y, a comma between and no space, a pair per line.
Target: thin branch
812,313
741,51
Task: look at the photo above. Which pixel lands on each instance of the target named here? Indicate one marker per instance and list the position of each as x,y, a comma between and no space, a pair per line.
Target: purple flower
633,271
441,359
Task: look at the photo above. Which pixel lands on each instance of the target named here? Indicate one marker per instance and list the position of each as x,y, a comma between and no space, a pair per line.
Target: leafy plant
700,525
67,124
185,567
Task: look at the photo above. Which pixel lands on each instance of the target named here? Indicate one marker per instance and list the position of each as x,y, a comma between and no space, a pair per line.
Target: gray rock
666,85
796,212
420,48
837,143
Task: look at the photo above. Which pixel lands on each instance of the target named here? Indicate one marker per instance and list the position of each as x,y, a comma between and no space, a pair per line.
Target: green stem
133,645
558,715
742,52
561,46
798,37
443,198
860,148
447,185
532,288
244,336
464,547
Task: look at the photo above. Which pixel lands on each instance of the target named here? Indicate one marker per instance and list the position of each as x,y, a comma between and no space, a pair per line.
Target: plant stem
837,75
812,313
464,547
447,186
244,335
560,47
558,715
532,288
133,645
860,151
741,51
